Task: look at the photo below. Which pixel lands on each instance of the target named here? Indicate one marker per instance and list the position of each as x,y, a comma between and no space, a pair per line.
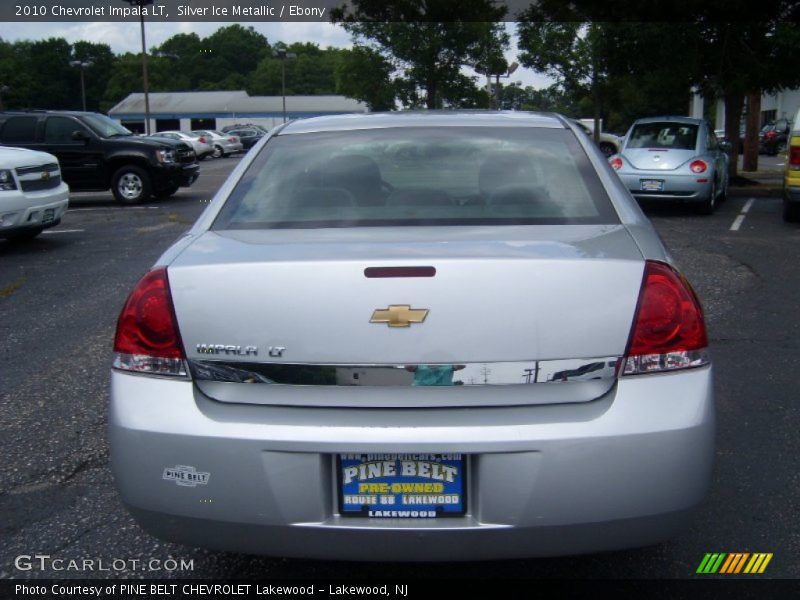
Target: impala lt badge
399,315
224,349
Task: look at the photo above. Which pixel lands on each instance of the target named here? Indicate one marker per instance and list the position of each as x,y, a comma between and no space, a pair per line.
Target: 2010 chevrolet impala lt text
421,336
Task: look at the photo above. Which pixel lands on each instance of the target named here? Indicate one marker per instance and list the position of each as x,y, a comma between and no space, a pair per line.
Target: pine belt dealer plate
401,486
652,185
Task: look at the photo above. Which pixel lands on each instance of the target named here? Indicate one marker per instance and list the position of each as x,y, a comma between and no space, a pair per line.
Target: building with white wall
214,110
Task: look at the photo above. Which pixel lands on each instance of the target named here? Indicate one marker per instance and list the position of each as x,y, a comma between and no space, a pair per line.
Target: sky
125,37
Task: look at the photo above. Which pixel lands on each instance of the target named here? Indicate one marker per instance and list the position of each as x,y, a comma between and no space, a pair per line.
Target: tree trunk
733,116
430,97
750,160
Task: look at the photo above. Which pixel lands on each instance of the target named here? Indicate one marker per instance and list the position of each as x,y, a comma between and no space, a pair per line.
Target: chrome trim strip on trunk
528,382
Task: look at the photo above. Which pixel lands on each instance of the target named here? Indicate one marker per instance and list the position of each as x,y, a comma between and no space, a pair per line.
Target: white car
201,144
32,195
224,143
609,143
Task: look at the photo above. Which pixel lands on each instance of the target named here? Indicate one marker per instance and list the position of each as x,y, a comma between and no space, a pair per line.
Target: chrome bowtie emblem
399,315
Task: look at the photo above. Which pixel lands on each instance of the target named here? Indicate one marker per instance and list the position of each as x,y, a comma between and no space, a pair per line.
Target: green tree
425,47
363,74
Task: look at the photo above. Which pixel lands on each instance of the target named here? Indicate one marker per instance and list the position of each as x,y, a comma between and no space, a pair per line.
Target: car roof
427,118
668,118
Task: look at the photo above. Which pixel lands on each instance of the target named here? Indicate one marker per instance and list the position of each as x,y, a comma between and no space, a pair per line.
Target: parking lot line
737,222
115,208
52,231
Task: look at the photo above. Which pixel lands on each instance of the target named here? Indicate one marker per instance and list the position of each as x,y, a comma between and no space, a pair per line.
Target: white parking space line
737,222
52,231
115,208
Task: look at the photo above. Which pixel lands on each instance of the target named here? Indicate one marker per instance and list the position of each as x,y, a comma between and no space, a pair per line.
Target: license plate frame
651,185
449,497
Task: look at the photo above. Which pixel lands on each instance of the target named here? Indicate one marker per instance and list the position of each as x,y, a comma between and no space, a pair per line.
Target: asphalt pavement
61,293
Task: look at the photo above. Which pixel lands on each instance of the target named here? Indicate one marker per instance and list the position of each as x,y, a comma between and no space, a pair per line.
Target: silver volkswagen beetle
674,158
423,336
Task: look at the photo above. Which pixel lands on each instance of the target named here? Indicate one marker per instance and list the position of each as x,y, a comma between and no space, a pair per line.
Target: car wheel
791,212
131,185
163,194
607,149
709,205
24,235
218,152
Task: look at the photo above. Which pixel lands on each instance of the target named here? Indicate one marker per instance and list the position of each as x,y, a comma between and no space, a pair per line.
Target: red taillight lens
668,331
147,337
202,140
233,140
794,157
698,166
616,163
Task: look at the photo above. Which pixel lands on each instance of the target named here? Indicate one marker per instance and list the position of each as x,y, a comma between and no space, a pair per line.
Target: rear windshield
679,136
418,176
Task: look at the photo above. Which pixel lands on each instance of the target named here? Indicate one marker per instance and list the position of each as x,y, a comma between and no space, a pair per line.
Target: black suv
97,153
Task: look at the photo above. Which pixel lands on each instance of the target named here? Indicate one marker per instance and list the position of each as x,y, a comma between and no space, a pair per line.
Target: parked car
674,158
201,145
97,153
33,196
249,136
774,137
791,178
229,128
455,283
609,143
224,144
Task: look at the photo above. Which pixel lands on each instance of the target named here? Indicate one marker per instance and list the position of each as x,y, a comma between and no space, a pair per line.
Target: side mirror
80,136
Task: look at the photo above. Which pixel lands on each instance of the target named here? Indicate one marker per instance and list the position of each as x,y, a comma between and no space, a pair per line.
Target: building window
133,126
168,124
203,124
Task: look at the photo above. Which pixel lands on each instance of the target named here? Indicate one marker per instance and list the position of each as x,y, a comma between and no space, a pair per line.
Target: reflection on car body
555,397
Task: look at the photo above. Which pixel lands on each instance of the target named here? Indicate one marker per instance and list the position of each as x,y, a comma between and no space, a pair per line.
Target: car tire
709,205
131,185
607,149
24,235
218,151
164,194
791,212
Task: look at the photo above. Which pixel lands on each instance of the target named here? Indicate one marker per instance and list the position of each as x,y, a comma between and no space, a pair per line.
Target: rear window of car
678,136
418,176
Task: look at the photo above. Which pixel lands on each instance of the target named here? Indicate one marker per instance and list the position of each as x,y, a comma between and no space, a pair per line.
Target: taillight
616,163
668,331
202,140
233,140
794,157
698,166
147,339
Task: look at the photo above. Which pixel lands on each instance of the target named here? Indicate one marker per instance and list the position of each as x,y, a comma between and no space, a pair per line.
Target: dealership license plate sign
411,486
652,185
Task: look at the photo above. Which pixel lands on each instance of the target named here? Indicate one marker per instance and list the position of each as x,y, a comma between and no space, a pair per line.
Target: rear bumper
676,187
625,470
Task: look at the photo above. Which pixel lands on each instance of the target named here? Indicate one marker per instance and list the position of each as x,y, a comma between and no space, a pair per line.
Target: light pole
282,54
141,4
82,65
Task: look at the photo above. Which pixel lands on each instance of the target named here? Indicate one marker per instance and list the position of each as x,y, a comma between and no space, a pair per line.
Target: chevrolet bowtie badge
399,315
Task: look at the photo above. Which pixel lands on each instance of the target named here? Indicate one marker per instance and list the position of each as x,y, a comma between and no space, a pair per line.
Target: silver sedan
674,158
224,144
476,350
